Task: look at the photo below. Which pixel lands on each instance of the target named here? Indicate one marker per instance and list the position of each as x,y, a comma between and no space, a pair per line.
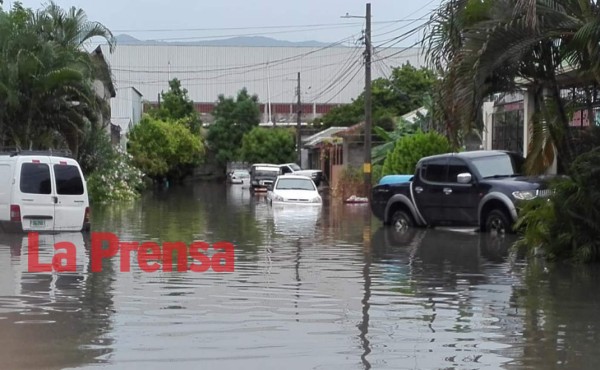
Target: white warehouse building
329,75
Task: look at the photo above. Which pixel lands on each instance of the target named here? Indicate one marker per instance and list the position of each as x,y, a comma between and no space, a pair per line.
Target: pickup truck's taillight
15,213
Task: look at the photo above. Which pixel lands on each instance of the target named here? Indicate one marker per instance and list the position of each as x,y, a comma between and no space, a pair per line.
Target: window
435,170
68,180
285,169
456,167
299,184
295,167
35,178
496,166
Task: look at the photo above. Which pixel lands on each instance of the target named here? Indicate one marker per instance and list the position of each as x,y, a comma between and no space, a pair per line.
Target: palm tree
494,45
46,91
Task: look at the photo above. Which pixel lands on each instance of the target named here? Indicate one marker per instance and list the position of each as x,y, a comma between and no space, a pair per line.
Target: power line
256,27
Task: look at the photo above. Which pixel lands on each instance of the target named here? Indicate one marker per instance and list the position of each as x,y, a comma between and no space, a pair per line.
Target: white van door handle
418,189
55,199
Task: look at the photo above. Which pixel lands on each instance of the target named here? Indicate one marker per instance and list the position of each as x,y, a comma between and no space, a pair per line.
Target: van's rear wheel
402,221
497,222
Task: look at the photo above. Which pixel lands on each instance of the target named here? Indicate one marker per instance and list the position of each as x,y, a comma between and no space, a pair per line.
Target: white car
294,189
239,176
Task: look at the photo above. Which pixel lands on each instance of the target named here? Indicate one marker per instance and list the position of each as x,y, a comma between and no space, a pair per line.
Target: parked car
239,176
478,188
42,192
293,168
296,189
262,175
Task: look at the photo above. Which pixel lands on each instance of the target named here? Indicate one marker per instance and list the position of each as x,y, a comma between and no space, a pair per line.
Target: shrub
117,180
567,226
409,149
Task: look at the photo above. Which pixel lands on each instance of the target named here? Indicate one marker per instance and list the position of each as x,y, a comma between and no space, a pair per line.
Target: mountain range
257,41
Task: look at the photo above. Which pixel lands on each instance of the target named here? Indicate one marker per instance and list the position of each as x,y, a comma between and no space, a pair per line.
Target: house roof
321,136
103,70
351,131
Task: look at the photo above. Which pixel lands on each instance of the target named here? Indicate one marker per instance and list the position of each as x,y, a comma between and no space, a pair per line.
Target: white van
42,192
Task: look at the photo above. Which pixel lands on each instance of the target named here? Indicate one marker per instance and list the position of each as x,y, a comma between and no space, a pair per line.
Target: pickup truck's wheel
401,221
497,222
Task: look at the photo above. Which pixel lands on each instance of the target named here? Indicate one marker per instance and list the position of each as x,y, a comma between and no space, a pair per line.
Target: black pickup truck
471,189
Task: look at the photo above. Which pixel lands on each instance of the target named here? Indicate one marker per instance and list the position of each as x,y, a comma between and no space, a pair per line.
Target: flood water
313,288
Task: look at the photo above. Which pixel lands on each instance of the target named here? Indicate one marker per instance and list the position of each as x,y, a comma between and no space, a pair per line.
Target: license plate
38,223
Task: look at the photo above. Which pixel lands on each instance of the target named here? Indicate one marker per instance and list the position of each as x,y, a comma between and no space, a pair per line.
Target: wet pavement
323,287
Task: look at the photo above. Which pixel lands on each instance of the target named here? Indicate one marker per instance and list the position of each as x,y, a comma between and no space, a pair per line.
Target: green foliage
44,70
164,148
402,93
176,105
269,145
116,180
96,151
409,149
568,224
233,119
380,152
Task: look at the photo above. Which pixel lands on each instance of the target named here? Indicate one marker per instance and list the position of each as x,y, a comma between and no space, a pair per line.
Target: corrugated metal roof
328,75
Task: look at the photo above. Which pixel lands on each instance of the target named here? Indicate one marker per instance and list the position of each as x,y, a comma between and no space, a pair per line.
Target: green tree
485,47
233,119
46,93
409,149
269,145
402,93
164,148
176,105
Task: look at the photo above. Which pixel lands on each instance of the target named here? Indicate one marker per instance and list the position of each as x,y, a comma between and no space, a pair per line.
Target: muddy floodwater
314,287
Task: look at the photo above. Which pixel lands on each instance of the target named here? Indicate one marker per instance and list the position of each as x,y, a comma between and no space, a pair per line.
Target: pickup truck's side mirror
464,178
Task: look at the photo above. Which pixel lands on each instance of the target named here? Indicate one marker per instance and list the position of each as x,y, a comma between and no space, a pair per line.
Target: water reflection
50,320
313,287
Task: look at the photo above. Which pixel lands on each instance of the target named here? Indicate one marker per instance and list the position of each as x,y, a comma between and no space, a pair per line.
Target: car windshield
295,167
498,166
241,173
296,184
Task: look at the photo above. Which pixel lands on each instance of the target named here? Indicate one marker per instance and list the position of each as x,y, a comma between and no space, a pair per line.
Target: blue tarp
395,179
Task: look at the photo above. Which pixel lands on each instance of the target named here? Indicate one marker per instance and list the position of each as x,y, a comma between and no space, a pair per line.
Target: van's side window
68,180
35,178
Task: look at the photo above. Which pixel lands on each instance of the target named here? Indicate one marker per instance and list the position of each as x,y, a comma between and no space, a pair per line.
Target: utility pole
368,129
299,124
368,116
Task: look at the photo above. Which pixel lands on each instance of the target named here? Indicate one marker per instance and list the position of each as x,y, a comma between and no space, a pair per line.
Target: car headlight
316,200
525,194
278,198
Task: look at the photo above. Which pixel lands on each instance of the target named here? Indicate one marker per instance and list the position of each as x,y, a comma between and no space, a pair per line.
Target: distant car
296,189
239,176
294,169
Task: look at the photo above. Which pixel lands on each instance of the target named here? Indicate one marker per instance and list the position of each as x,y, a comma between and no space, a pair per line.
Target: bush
409,149
567,226
117,180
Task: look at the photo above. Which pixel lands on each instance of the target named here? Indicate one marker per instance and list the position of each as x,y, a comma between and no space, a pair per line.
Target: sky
298,20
